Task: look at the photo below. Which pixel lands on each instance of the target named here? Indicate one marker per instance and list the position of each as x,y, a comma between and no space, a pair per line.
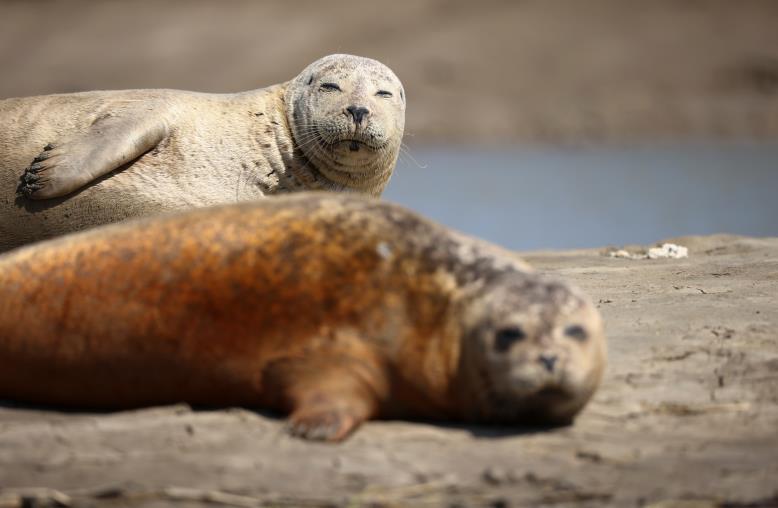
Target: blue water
568,198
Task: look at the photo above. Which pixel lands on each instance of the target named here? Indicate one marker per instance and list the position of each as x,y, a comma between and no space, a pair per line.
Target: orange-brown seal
333,308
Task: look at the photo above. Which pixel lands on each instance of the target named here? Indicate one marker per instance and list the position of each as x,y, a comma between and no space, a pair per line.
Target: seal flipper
328,395
325,420
110,142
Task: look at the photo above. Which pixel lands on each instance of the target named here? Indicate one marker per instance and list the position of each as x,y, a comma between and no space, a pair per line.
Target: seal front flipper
325,419
110,142
327,395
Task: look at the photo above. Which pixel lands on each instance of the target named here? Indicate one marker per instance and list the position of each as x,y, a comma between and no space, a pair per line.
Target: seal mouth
550,394
355,145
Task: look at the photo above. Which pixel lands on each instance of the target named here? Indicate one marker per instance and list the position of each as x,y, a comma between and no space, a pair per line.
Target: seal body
332,308
72,161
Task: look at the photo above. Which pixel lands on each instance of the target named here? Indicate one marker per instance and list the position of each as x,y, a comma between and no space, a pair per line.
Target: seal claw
322,425
30,176
41,157
27,189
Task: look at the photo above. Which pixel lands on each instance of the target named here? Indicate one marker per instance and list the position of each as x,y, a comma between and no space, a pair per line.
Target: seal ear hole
330,87
310,80
507,337
576,332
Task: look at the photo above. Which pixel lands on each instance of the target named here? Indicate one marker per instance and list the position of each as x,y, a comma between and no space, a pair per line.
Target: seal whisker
406,151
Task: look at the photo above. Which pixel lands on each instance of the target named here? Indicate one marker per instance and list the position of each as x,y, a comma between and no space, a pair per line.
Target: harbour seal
332,308
337,126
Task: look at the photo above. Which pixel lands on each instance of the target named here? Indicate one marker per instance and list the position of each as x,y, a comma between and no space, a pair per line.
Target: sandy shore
688,412
475,72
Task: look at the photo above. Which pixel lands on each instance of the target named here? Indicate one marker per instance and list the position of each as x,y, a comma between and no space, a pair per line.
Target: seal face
534,352
85,159
348,116
331,308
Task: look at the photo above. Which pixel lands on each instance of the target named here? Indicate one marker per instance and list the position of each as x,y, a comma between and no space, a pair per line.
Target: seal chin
356,154
550,405
349,153
531,400
551,395
343,145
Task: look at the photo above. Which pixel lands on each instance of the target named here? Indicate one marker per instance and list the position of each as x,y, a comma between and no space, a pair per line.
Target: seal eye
506,337
384,93
329,87
576,332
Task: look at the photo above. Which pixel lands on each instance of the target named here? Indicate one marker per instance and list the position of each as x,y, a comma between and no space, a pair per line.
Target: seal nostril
358,113
548,361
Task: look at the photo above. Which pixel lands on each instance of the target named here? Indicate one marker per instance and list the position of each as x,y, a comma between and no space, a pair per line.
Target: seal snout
358,113
548,361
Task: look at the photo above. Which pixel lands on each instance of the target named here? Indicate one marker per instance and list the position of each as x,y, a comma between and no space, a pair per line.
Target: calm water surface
567,198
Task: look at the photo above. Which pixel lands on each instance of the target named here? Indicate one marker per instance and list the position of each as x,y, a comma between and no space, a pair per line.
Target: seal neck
287,168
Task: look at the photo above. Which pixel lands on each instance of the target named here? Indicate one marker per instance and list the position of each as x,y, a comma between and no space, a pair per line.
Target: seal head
533,351
347,115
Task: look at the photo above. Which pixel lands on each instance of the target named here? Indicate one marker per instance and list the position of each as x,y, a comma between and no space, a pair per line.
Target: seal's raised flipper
111,141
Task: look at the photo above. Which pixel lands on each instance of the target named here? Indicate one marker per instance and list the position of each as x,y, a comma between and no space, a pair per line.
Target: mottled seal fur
332,308
337,126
